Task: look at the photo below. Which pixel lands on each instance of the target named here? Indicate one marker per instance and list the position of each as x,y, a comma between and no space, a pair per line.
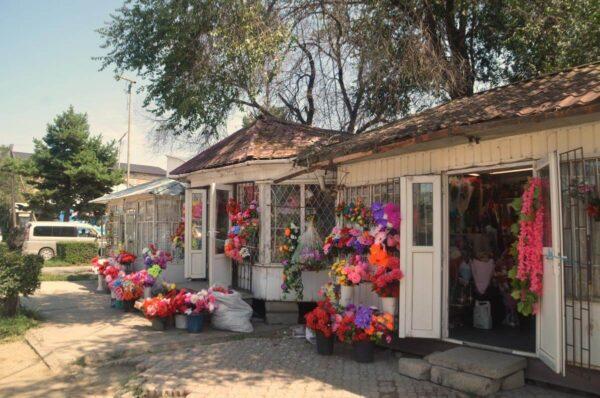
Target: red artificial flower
321,318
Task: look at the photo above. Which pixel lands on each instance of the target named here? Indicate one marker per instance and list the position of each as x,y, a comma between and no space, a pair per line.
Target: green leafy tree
18,275
347,65
70,167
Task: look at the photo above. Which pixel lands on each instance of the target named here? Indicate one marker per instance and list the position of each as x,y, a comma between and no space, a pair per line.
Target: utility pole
129,92
13,191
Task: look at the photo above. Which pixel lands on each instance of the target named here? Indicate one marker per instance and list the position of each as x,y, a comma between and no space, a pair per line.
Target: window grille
241,277
285,209
388,191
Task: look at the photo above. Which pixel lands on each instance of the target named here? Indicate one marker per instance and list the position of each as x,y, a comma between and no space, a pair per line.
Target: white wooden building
244,166
488,144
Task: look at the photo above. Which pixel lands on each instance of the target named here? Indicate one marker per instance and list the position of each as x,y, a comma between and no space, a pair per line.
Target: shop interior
481,309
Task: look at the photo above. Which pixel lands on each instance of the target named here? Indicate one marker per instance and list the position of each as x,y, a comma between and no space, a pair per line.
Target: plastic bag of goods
482,315
309,252
232,312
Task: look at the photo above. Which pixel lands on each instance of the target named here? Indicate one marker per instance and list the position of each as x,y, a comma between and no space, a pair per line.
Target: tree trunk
9,306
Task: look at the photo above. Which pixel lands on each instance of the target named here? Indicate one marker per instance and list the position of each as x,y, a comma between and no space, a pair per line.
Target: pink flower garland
530,246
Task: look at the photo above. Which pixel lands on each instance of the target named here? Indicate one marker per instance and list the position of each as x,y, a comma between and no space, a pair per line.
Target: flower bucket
147,292
102,286
159,324
364,351
346,293
128,305
324,344
195,323
180,321
388,304
119,304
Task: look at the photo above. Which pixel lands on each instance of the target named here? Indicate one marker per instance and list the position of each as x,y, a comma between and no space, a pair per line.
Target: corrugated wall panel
502,150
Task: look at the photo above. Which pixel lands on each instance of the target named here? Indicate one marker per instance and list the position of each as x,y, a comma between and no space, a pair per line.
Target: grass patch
13,328
67,277
57,262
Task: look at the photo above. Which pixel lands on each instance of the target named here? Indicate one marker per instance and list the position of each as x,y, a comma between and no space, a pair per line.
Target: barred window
285,209
385,192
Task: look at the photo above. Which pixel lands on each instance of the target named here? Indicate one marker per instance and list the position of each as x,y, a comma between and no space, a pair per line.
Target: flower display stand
346,295
181,321
102,286
195,323
324,344
364,351
388,304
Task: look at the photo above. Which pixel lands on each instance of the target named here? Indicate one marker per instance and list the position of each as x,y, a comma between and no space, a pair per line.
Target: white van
41,236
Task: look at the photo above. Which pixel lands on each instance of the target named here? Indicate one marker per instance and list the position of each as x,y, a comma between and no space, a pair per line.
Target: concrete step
492,365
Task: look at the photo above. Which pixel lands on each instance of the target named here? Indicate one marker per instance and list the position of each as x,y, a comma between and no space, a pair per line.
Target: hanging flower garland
292,273
243,230
527,276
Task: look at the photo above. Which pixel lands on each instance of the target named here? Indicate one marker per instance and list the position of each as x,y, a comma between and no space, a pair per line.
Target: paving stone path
287,367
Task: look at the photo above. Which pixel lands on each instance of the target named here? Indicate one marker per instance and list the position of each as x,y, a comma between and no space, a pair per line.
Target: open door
550,326
219,265
195,233
421,248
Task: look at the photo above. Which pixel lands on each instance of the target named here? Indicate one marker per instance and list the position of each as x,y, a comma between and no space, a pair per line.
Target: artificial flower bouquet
125,258
346,240
309,251
158,307
99,264
202,302
130,287
178,238
154,256
357,324
350,272
221,289
322,318
386,278
244,229
356,213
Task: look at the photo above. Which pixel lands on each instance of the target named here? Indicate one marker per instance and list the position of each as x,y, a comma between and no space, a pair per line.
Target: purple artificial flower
363,316
378,214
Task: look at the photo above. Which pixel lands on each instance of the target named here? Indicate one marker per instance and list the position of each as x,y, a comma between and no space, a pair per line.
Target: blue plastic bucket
195,323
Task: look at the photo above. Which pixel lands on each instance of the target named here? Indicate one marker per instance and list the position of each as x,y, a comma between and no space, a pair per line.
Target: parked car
41,236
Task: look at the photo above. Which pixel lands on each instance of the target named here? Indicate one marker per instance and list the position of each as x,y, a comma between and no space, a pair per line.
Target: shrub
18,275
76,252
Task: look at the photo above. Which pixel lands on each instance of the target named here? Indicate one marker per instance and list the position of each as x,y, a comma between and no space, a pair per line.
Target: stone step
492,365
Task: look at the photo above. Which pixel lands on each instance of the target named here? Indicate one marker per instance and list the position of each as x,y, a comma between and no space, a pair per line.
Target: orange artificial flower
288,232
378,255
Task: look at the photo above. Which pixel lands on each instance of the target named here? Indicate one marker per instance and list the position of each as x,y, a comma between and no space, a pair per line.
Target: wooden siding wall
511,149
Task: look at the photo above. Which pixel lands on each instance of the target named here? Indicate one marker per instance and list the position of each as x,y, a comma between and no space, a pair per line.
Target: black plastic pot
159,324
364,351
324,344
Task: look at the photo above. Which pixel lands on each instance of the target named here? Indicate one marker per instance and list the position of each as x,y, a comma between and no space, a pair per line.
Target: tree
347,65
70,167
18,275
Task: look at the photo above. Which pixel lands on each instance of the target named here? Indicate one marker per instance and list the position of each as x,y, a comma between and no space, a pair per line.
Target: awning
161,186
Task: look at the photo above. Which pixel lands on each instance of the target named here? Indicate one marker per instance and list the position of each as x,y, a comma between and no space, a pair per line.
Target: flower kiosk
239,221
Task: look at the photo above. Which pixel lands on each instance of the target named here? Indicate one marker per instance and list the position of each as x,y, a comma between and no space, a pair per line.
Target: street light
131,83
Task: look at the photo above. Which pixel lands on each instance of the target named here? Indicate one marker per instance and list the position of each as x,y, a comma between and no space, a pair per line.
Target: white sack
232,313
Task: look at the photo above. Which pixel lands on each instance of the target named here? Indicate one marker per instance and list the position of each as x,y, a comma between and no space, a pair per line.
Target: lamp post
129,92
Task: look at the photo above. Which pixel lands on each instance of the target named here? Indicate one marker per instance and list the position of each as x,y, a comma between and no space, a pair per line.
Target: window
42,231
84,232
298,204
285,209
67,232
384,192
422,214
196,216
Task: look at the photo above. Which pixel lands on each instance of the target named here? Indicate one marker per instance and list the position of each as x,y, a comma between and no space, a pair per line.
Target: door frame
212,232
446,253
188,233
406,284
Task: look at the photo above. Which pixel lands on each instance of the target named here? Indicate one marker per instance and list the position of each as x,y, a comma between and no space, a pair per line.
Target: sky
46,50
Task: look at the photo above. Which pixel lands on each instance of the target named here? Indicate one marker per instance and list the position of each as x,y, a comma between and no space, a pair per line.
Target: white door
421,255
195,233
219,266
550,320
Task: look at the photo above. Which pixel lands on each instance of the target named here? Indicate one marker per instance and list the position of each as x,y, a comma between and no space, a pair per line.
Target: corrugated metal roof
540,96
267,138
161,186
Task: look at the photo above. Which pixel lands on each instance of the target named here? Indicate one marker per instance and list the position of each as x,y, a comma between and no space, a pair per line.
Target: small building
144,214
245,166
455,169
